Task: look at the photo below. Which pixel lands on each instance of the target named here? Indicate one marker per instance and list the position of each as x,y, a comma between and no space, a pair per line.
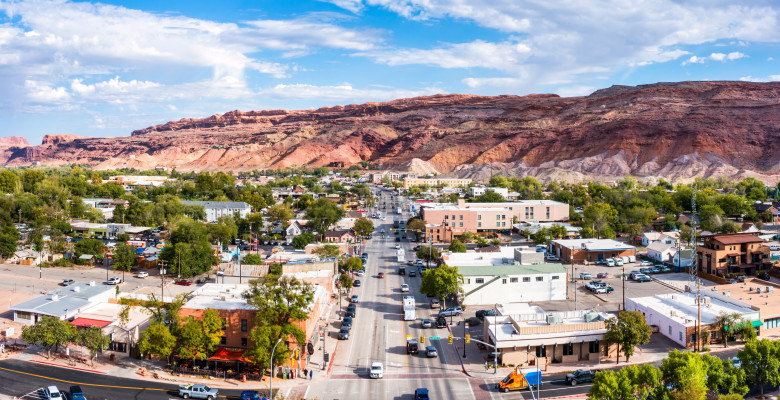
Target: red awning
223,354
88,322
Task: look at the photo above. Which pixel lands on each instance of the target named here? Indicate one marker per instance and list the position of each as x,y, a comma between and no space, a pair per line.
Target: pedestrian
311,374
486,366
305,372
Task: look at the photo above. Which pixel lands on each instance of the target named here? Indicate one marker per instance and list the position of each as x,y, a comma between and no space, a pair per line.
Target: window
479,217
693,337
670,329
772,323
540,279
526,279
223,340
460,217
461,224
498,216
243,342
479,224
568,349
503,281
556,277
714,335
503,216
503,223
593,347
117,346
513,280
541,351
498,224
23,315
446,216
224,323
681,338
479,280
243,325
453,217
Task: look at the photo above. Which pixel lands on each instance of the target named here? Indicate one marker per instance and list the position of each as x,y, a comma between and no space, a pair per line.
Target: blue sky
105,69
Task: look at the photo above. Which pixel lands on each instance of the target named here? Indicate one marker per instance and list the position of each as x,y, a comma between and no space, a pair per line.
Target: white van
618,261
610,262
631,258
625,260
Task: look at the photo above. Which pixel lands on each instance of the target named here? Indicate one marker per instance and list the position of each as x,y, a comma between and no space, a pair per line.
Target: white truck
409,314
401,255
400,210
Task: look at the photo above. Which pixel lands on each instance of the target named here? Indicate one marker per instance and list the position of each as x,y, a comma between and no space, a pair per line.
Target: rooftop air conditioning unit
751,288
76,289
91,283
727,293
55,297
769,289
758,290
591,316
673,313
554,319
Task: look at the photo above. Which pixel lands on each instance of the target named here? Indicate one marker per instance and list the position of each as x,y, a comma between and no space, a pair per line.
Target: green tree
9,238
224,231
281,213
281,304
628,330
415,225
124,258
428,253
328,251
31,178
94,340
304,239
600,217
467,237
198,337
252,259
686,375
353,264
729,226
49,333
363,227
345,281
489,197
723,322
9,182
710,217
498,181
442,281
632,382
457,246
761,363
157,340
189,252
94,247
322,214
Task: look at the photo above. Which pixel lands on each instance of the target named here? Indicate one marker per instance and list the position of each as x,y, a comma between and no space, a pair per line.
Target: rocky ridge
678,131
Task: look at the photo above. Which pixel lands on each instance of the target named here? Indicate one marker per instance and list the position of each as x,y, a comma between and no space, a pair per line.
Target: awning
733,255
88,322
223,354
756,324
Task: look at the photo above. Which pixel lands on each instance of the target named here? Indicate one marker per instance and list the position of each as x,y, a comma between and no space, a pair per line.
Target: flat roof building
590,250
63,303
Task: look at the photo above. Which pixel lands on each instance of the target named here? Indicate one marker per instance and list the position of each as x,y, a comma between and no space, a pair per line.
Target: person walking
311,374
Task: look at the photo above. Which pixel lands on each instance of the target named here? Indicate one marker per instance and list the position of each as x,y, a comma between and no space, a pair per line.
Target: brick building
735,253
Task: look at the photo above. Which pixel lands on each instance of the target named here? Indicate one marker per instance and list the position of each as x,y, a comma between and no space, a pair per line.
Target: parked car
663,268
410,262
76,393
354,299
642,278
731,280
481,314
67,282
404,287
645,271
451,311
350,312
344,333
142,274
198,391
361,272
585,276
435,303
610,262
114,280
220,273
426,323
645,263
431,352
356,283
183,282
377,370
618,261
763,276
412,273
250,395
52,393
602,275
346,322
580,376
655,270
421,394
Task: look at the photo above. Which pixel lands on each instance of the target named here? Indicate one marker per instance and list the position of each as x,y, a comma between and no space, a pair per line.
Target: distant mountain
672,130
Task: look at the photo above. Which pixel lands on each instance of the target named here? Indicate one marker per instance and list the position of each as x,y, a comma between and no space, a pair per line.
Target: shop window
568,349
513,280
526,279
243,342
540,279
541,351
593,347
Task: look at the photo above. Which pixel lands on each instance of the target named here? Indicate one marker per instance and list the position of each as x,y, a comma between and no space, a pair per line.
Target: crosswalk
37,394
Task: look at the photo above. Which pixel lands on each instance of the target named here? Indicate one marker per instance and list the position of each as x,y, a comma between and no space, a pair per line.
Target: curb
94,371
462,366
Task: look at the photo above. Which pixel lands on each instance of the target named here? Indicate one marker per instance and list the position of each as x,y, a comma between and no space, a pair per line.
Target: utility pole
624,287
694,270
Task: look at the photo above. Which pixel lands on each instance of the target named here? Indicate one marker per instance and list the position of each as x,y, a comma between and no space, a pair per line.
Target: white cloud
770,78
355,6
41,92
575,90
735,55
479,53
341,93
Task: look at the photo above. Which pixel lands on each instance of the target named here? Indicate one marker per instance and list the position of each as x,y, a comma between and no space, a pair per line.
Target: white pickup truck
198,391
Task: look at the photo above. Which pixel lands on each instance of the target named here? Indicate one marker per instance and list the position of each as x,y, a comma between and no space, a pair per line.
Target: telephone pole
694,270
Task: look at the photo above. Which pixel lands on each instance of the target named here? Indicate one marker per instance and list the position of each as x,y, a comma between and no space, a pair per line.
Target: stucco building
737,253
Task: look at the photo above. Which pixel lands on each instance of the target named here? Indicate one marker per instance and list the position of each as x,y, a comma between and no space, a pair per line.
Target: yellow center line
81,383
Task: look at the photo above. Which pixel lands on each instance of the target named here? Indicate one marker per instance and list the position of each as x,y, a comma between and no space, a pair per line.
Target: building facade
216,209
590,250
737,253
448,182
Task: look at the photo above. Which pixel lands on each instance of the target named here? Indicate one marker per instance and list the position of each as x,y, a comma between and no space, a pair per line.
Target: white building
124,337
668,238
63,303
513,274
675,314
661,251
216,209
480,190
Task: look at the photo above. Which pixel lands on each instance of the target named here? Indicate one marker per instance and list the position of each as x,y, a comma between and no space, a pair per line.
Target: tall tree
281,304
457,246
632,382
428,253
627,330
49,333
353,264
94,340
157,340
328,251
599,217
725,322
281,213
322,214
442,281
124,258
686,375
304,239
761,362
363,227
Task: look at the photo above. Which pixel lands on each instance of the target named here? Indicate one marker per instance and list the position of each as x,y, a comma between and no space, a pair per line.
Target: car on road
441,321
431,352
419,263
350,312
580,376
220,273
76,393
250,395
642,278
410,262
404,288
481,314
380,275
198,391
763,276
585,276
142,274
52,393
412,346
412,273
435,303
344,333
67,282
353,299
426,323
602,275
645,263
114,280
377,370
356,283
361,272
421,394
451,311
398,246
183,282
346,322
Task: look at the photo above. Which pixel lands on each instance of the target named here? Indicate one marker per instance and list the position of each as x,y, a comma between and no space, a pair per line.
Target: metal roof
511,269
59,302
217,204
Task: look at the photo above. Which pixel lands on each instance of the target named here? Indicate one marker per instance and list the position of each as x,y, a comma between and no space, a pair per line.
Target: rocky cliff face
674,130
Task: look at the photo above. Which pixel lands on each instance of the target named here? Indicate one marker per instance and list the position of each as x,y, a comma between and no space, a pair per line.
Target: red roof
88,322
738,238
223,354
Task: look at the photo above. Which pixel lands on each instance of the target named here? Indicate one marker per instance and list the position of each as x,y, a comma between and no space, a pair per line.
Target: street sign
408,337
435,338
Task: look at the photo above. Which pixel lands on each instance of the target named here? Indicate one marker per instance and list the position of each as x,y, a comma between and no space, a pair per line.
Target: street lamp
271,377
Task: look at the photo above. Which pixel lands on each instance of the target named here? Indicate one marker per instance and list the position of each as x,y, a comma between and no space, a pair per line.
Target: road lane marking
81,383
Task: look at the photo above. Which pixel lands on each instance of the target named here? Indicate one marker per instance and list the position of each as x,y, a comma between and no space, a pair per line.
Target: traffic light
422,339
449,339
468,338
295,353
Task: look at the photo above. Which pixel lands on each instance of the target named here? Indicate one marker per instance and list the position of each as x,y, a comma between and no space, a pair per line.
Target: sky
108,68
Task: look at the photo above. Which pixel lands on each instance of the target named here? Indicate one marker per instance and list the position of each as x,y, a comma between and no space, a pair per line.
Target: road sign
435,338
408,337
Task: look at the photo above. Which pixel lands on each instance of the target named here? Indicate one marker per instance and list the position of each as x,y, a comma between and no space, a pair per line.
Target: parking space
37,394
